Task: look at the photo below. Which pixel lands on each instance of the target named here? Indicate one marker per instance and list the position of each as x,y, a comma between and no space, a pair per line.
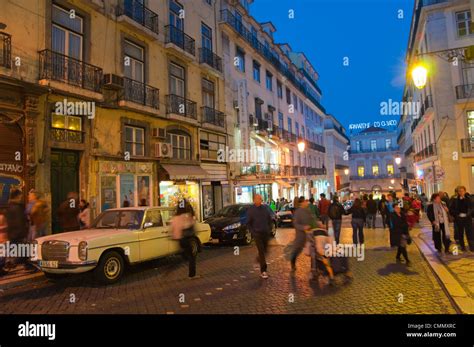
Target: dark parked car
285,215
230,225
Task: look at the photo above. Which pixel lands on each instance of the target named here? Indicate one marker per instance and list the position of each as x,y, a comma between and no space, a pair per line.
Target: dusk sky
368,32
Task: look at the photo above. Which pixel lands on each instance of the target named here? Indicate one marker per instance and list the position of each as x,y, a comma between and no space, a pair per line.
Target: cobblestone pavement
231,285
461,266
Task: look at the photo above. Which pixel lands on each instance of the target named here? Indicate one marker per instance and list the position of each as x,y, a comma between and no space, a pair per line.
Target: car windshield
231,211
124,219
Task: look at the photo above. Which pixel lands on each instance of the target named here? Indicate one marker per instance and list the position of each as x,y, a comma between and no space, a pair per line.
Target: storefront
178,182
245,193
125,184
215,189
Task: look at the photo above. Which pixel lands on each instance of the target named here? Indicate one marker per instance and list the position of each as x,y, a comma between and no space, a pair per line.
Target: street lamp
301,146
419,75
392,181
346,172
398,160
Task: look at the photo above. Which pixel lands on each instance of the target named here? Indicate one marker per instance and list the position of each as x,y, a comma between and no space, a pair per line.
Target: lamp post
301,146
398,160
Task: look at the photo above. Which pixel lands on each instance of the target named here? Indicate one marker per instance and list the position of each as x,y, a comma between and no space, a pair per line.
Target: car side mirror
148,225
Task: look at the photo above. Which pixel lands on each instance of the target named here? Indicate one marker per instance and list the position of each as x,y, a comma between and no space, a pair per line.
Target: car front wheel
247,240
274,229
110,268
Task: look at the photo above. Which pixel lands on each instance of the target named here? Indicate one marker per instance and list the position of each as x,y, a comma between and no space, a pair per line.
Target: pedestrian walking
324,209
371,211
84,214
424,202
437,213
314,210
38,216
382,207
364,200
182,226
461,209
259,223
335,212
357,222
390,209
17,222
68,213
401,234
302,222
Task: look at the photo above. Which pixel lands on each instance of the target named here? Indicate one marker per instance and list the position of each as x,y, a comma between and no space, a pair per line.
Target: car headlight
82,250
232,226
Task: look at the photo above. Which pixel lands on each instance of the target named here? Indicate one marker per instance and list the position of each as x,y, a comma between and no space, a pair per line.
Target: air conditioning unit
163,150
113,81
159,133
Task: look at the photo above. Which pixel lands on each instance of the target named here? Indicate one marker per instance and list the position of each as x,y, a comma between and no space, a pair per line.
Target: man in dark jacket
371,212
461,209
259,222
336,211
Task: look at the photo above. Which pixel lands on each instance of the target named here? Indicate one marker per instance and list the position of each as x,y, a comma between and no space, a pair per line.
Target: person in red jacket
324,209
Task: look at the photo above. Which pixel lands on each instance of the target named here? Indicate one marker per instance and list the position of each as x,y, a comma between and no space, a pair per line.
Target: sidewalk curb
22,280
457,293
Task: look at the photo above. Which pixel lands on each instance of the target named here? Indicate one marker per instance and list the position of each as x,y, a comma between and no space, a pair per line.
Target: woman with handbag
401,234
437,213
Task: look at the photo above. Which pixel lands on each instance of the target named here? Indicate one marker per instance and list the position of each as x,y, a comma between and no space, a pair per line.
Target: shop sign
11,168
242,101
113,167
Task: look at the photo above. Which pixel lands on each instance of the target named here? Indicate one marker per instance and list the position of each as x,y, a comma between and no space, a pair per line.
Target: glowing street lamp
301,146
398,160
419,75
392,181
346,172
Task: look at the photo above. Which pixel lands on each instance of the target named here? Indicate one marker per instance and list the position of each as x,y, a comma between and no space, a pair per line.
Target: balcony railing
317,147
316,171
467,145
370,177
178,105
271,56
425,153
464,91
262,169
140,93
139,13
59,67
206,56
378,149
66,135
5,50
179,38
296,170
213,116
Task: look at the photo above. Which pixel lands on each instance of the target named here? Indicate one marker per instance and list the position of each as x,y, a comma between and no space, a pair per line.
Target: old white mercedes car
116,238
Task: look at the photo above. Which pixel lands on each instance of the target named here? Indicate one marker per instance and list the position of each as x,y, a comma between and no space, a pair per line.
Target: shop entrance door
64,179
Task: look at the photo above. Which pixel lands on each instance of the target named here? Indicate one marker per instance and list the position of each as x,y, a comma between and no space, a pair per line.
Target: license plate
49,264
286,220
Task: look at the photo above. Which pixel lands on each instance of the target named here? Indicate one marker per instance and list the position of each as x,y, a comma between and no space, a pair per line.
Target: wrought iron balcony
178,105
467,145
315,171
66,135
180,38
5,50
213,116
135,10
372,177
464,91
206,56
59,67
317,147
425,153
140,93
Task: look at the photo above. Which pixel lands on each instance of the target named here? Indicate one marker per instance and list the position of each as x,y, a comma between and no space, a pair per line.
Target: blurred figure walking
68,213
84,214
302,221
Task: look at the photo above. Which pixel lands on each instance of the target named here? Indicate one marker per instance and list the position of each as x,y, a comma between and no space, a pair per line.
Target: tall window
295,101
390,170
256,71
206,37
375,169
135,140
269,81
258,108
181,143
279,90
177,80
297,129
288,96
470,124
208,93
290,127
388,143
240,55
280,120
373,145
358,146
67,33
361,171
134,67
302,131
210,144
463,23
175,14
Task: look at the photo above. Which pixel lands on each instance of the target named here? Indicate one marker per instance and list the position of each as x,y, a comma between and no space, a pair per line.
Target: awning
284,184
184,172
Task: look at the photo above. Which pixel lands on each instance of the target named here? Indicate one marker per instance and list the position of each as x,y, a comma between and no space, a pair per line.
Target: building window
388,143
390,170
301,105
375,169
280,120
67,33
290,127
470,124
66,128
258,108
297,129
373,145
175,17
135,140
240,55
279,90
295,101
288,96
177,80
269,81
463,23
209,2
181,143
302,131
206,37
134,67
208,93
360,171
210,144
358,146
256,71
